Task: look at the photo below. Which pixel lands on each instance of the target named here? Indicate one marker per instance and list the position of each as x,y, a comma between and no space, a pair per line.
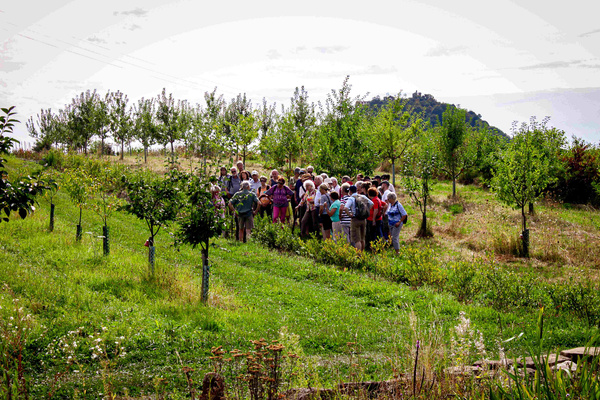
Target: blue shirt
395,213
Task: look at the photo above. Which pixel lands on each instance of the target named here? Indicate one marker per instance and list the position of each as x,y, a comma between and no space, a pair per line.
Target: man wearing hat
254,182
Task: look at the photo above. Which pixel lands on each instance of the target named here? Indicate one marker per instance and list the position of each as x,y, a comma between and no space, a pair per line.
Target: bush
340,253
53,159
579,298
465,280
505,289
276,236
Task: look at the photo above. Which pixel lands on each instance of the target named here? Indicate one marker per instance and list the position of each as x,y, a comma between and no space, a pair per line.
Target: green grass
255,292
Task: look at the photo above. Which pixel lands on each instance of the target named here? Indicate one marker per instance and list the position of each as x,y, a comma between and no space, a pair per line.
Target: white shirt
385,194
254,185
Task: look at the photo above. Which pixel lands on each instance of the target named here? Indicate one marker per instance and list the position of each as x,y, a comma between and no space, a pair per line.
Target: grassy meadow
94,324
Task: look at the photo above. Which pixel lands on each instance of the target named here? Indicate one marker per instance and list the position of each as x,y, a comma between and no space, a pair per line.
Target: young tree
120,118
238,106
51,176
395,130
16,195
78,184
81,119
459,144
144,124
154,200
344,146
304,120
167,115
206,134
101,121
245,132
522,173
550,141
200,222
103,201
282,142
420,165
44,129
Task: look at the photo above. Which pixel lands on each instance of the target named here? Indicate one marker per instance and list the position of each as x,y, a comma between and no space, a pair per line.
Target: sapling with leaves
78,184
419,168
15,195
155,200
202,220
459,144
395,129
522,173
104,202
50,175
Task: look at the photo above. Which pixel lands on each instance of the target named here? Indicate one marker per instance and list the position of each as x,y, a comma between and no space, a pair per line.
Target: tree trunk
531,209
51,228
105,241
423,228
151,254
453,186
145,154
122,149
394,173
205,273
78,229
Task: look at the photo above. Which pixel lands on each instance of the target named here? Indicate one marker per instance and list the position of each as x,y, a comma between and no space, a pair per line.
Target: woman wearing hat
265,203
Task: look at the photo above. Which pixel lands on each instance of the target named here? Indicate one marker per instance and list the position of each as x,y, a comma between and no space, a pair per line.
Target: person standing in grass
265,202
254,182
345,219
375,216
245,176
223,179
307,224
244,204
385,191
396,218
323,205
279,195
334,214
274,177
356,205
234,183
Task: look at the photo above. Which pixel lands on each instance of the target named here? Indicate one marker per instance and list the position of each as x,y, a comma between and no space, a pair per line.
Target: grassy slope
254,293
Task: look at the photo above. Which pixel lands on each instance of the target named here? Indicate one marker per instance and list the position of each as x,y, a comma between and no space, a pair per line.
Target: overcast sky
506,60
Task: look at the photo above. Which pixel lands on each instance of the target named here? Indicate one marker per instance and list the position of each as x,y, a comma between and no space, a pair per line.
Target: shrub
465,280
505,289
339,253
276,236
53,159
579,298
414,266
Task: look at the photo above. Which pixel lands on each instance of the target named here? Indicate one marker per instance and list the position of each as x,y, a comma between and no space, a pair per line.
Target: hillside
432,110
104,324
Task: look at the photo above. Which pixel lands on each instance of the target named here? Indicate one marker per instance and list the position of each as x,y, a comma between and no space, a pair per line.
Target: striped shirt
345,219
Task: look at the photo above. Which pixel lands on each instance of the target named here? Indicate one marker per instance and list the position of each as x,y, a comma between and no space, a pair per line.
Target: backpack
362,208
398,208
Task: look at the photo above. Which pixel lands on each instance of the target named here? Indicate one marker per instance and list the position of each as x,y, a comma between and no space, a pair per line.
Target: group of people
359,210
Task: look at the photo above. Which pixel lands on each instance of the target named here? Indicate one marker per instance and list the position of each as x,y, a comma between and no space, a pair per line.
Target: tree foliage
523,168
394,130
343,145
459,144
420,167
153,199
18,195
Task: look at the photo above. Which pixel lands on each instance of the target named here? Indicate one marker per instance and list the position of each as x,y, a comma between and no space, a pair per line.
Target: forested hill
432,110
